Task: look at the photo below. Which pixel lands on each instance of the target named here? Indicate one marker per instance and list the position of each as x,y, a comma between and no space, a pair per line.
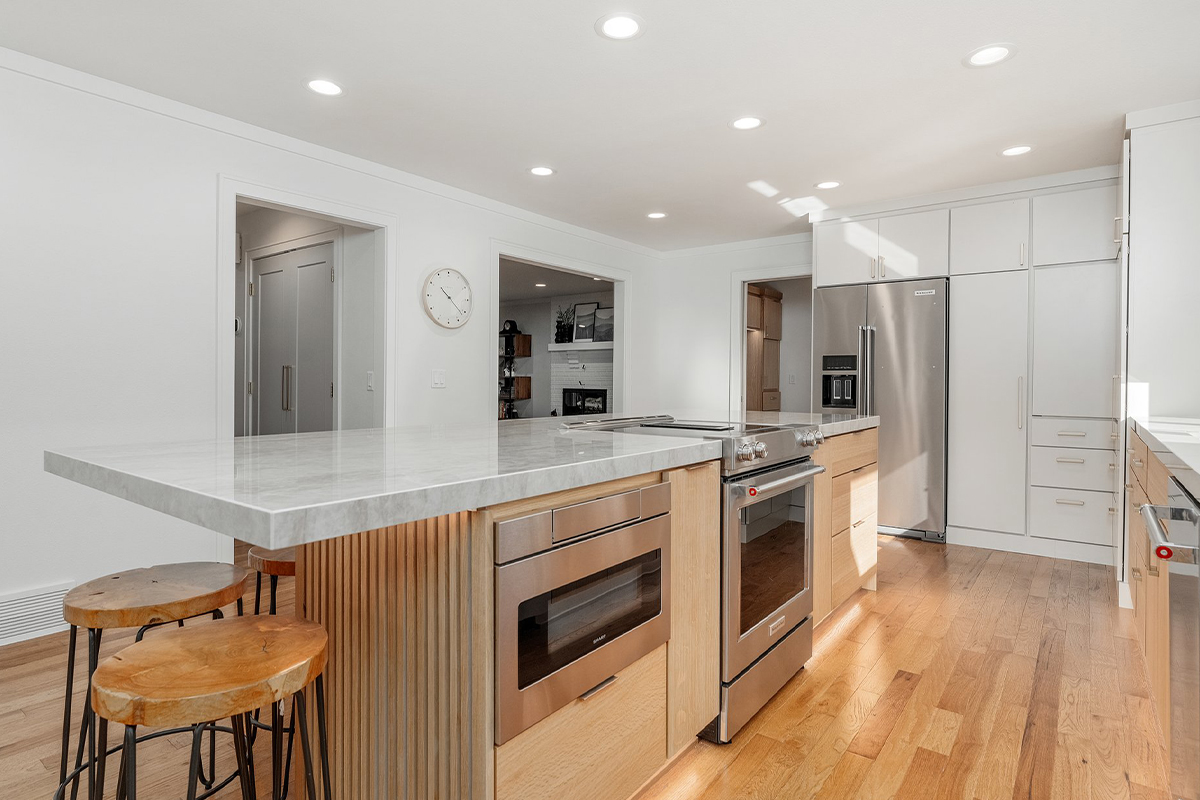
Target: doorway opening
777,372
309,323
559,331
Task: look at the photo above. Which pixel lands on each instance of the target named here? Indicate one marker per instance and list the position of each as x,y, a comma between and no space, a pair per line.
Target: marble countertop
1177,444
279,491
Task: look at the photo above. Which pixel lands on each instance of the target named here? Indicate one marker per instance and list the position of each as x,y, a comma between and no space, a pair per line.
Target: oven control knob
810,439
820,437
760,449
745,453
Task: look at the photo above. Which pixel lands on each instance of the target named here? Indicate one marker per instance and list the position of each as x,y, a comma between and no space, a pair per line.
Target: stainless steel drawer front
596,515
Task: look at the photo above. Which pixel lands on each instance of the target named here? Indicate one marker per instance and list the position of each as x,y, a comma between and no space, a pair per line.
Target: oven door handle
749,491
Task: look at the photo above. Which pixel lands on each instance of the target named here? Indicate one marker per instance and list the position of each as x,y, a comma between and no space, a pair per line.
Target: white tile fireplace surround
582,369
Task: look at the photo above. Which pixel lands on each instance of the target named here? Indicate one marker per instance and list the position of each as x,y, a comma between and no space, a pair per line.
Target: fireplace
584,401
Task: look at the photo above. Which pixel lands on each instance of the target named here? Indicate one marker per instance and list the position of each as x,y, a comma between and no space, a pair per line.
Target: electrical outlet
370,381
439,379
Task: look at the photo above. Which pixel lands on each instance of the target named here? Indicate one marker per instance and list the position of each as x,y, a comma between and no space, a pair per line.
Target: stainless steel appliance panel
742,699
838,312
908,390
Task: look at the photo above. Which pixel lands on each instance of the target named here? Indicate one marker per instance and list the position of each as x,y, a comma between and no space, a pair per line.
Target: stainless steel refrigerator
881,349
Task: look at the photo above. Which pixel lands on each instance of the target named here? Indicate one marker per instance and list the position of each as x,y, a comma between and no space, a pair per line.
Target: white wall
109,323
795,348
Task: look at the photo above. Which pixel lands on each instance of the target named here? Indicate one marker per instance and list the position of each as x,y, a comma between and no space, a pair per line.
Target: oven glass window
774,561
567,623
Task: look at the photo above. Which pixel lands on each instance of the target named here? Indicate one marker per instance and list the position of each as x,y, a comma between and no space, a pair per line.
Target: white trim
567,347
50,72
733,247
622,307
965,195
737,322
1162,115
1031,545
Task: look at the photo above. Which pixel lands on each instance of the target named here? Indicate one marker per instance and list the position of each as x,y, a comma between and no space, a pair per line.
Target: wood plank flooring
969,674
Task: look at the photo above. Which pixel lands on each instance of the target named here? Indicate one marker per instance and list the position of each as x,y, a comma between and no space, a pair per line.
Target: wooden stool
272,563
141,598
200,675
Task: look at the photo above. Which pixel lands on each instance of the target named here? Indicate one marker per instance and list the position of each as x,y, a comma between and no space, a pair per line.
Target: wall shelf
565,346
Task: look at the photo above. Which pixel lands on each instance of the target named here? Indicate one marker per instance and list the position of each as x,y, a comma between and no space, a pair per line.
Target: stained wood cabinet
764,329
845,519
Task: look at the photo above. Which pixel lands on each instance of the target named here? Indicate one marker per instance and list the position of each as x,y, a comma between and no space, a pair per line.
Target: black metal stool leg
194,765
274,586
241,610
130,755
257,593
276,752
300,716
66,733
238,723
324,743
290,730
248,721
102,736
86,733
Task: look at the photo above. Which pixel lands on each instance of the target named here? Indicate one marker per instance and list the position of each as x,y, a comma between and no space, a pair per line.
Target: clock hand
451,299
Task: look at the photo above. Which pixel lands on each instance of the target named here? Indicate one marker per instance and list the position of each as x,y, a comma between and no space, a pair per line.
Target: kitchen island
396,551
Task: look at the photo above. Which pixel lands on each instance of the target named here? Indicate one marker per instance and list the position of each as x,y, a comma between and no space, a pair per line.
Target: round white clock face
447,298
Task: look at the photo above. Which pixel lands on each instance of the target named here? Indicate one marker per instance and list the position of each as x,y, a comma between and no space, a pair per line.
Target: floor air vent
34,612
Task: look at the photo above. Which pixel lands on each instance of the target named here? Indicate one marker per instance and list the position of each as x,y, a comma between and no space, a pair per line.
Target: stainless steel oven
582,592
767,574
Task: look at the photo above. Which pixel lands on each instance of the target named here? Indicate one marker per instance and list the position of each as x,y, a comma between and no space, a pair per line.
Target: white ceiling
472,94
519,281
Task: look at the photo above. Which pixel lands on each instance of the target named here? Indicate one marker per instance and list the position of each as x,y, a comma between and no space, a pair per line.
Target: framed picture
604,325
585,322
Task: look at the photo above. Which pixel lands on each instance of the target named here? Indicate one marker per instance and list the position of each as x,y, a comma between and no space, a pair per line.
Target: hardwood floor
969,674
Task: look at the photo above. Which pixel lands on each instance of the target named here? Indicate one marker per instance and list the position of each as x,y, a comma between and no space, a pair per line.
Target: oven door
767,558
570,619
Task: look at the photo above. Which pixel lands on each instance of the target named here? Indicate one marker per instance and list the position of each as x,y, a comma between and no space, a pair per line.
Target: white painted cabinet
914,246
988,419
989,237
1070,227
1076,323
845,252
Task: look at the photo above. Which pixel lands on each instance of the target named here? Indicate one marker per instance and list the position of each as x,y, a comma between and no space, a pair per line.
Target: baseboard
32,613
1030,545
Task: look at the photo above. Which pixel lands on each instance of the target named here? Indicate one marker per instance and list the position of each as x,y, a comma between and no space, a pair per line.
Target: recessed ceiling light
1018,150
829,184
619,26
541,172
746,123
540,285
325,87
656,215
990,55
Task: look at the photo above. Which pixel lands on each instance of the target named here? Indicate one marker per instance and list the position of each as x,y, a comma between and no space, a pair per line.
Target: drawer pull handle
1112,466
599,687
1078,434
860,522
1063,502
1114,436
1112,510
1129,487
1137,462
1137,574
1069,460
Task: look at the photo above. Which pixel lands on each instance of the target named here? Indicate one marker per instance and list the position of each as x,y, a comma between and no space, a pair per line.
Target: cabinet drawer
850,451
855,554
1072,515
1138,456
1073,468
855,496
623,724
1158,479
1091,434
771,401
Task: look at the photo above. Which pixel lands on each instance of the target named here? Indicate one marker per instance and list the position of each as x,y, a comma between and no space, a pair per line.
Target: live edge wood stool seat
273,563
203,674
137,598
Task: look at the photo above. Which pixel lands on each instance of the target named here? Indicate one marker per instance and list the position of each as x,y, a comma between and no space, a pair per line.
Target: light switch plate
439,379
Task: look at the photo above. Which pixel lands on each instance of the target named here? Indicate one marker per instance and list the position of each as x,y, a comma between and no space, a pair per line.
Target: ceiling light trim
747,123
827,184
606,31
1016,150
325,87
542,172
971,61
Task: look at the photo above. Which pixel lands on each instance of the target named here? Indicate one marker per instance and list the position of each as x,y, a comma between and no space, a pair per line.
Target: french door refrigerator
881,349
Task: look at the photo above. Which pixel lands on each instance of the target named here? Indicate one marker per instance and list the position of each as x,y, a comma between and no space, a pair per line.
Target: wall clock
447,297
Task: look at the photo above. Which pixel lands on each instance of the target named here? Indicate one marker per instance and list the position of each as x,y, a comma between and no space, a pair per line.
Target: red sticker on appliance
1164,552
753,491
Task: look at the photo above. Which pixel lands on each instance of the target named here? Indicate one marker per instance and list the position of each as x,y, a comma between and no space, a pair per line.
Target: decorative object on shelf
509,327
564,321
604,325
585,322
447,298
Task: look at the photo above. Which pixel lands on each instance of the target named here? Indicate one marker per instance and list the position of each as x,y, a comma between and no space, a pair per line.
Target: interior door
988,418
295,341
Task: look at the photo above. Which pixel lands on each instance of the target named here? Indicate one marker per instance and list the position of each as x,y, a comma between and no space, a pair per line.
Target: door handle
1020,402
286,400
1022,254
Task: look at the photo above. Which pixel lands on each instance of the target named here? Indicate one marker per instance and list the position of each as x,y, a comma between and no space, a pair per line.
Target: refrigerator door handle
866,370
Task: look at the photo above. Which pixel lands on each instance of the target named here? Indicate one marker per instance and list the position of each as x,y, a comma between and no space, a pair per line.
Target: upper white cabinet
1076,323
989,237
988,429
888,249
914,246
845,252
1069,227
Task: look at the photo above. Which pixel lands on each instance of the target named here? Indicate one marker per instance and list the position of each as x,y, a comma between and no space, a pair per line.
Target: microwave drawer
1073,468
1091,434
1071,515
600,747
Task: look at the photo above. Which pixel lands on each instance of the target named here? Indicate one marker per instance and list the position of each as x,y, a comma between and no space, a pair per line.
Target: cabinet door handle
1117,230
598,688
860,522
1020,402
1022,254
882,268
1063,502
1071,461
1137,574
873,269
1137,462
1077,434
